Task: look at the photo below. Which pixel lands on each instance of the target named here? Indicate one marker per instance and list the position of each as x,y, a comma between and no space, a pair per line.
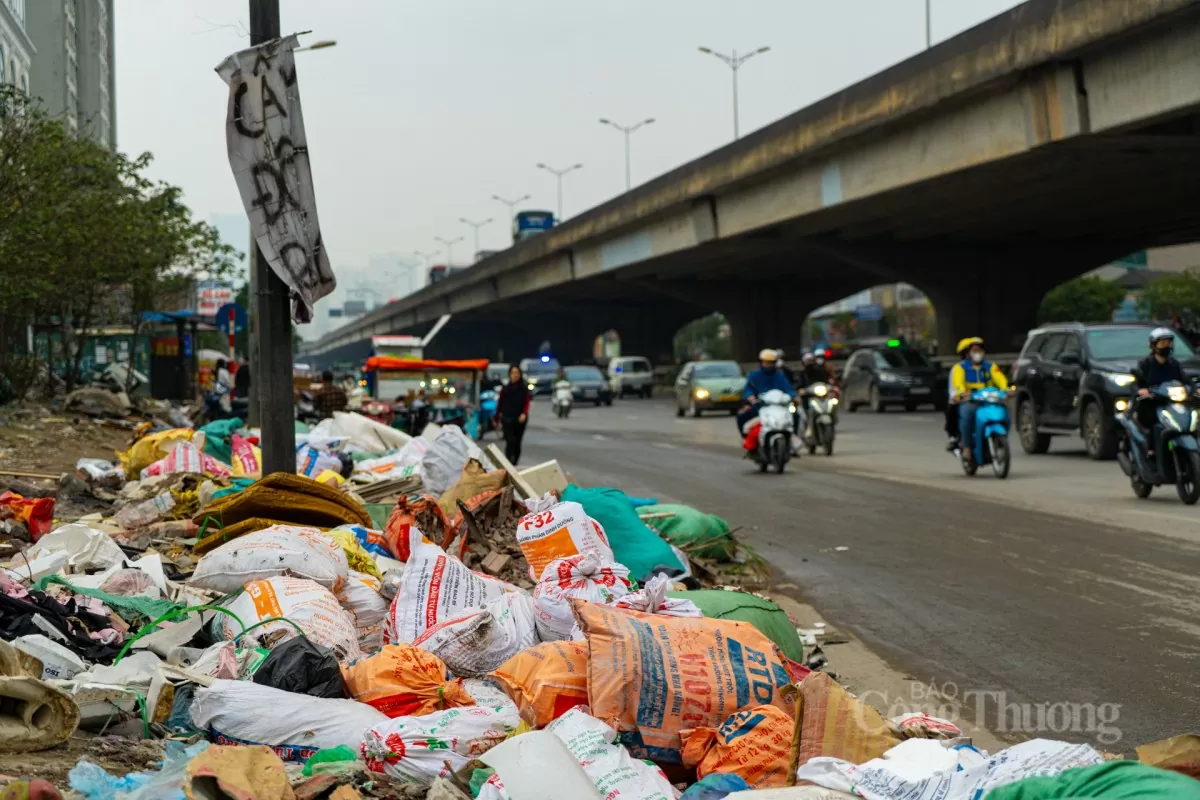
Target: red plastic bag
750,443
37,514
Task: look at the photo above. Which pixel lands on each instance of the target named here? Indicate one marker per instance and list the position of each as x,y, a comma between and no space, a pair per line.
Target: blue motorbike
487,412
1176,456
990,445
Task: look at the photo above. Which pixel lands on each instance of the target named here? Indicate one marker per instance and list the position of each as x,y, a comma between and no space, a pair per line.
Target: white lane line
665,445
599,437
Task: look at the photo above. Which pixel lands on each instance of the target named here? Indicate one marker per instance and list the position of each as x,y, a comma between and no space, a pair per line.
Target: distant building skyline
73,68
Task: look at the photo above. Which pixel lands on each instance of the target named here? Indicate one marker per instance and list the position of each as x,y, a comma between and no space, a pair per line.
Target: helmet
767,354
965,344
1158,334
807,358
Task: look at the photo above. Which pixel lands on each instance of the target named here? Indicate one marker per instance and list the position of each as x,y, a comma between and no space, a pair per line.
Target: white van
631,375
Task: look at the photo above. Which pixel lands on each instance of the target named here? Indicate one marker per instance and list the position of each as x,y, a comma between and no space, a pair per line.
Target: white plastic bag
480,640
293,725
275,551
443,463
363,434
908,770
416,749
581,576
552,530
312,461
435,587
360,596
79,548
609,766
57,661
309,605
652,599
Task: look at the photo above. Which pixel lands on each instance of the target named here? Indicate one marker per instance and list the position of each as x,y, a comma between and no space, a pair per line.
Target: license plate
920,390
729,398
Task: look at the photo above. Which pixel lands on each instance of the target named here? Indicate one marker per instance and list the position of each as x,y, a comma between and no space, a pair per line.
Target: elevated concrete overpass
1040,144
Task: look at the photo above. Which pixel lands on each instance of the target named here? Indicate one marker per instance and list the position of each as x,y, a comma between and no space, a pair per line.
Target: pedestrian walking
513,408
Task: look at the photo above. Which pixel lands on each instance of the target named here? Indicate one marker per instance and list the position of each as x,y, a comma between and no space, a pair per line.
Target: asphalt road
1015,594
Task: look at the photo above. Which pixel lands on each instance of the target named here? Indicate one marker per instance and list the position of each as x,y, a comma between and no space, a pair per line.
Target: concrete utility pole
558,173
449,245
476,226
627,130
734,62
271,349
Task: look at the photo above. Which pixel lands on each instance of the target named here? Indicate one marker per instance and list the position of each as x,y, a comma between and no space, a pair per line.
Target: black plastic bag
302,667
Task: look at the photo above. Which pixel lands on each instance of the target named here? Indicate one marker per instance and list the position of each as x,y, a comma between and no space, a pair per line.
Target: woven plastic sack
652,599
692,530
581,577
768,617
417,749
309,606
754,744
443,462
546,680
274,551
359,595
552,530
402,681
480,640
357,556
633,544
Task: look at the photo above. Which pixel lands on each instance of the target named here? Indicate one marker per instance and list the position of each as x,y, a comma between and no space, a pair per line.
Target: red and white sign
211,295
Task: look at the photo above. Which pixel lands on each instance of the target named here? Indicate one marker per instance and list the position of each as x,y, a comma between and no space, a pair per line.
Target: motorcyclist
1154,370
759,382
811,371
972,373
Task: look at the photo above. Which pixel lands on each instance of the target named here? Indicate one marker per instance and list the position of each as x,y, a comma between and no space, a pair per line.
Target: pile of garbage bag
480,639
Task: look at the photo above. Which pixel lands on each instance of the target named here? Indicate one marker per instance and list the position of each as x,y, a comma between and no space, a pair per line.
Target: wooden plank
522,486
39,475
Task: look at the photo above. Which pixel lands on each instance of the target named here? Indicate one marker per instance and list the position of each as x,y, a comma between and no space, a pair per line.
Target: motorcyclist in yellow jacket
972,373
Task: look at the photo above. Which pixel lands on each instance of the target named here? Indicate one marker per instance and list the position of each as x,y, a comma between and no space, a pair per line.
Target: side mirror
1070,357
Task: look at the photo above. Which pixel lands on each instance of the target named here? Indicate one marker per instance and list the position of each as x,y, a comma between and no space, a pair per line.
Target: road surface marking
665,445
599,437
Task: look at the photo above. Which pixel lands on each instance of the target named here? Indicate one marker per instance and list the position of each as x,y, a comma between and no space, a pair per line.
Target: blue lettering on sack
652,699
752,674
287,752
739,725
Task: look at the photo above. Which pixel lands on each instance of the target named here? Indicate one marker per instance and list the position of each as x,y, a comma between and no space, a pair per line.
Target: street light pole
425,256
476,226
734,62
628,131
449,245
512,205
558,173
928,24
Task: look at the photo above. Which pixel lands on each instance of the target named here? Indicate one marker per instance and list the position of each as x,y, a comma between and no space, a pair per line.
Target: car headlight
1177,394
702,394
532,386
887,377
820,390
1121,379
1121,405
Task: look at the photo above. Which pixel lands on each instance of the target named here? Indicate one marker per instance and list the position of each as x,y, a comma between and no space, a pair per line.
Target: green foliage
704,337
1173,295
85,237
1085,299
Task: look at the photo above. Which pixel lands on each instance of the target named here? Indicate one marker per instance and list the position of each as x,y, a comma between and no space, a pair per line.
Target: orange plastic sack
837,725
425,514
650,676
546,680
404,681
755,745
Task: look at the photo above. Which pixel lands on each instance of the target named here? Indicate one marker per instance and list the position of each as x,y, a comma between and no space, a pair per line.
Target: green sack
218,438
771,620
379,513
691,530
636,546
1112,780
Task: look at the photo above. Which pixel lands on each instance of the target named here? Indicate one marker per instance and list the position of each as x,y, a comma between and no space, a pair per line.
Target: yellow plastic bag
151,448
360,560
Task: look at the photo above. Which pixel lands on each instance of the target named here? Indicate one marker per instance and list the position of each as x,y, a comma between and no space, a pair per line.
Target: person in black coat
513,408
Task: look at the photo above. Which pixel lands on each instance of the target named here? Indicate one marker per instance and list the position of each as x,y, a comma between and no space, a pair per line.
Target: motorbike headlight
702,394
532,386
1121,405
1120,379
792,408
833,401
1177,394
821,390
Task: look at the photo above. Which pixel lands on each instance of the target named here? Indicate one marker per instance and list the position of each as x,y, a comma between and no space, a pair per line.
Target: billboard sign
211,295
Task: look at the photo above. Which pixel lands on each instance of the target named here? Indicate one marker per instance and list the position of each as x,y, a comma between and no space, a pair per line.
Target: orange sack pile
546,680
651,677
754,745
404,681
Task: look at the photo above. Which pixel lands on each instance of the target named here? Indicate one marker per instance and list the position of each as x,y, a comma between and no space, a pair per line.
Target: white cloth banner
268,151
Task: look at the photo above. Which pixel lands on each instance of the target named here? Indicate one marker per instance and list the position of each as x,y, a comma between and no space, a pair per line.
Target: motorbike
821,423
1176,452
990,445
561,403
775,421
488,401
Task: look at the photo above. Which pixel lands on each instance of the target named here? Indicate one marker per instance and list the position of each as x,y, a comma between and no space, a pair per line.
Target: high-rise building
16,48
73,68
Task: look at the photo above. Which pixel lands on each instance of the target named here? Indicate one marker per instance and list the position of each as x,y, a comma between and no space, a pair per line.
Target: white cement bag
480,640
581,576
489,695
652,599
907,771
293,725
309,605
443,462
609,766
360,596
416,749
435,587
553,530
275,551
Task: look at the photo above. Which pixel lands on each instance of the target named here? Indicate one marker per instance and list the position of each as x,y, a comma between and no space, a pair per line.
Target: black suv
1070,376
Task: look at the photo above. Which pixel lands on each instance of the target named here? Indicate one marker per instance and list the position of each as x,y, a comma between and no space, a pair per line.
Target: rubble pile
415,618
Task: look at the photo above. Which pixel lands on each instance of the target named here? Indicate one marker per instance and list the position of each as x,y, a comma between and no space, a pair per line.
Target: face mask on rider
977,358
1165,352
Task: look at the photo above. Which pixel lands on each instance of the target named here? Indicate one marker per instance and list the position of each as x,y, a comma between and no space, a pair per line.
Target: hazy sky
424,110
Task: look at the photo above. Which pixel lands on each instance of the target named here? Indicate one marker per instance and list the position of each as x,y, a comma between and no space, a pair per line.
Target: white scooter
775,435
562,399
